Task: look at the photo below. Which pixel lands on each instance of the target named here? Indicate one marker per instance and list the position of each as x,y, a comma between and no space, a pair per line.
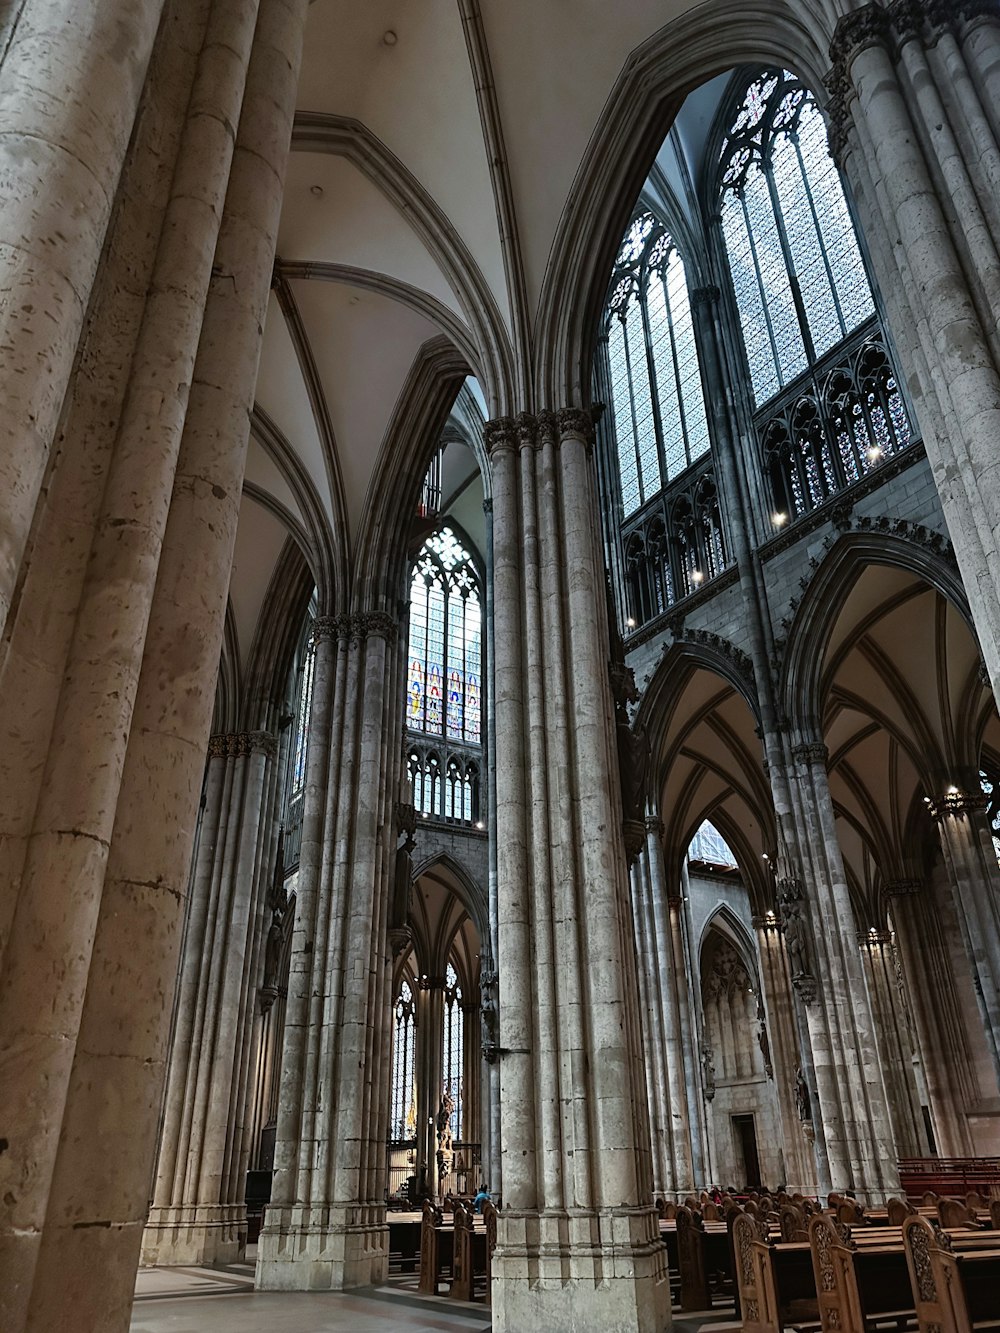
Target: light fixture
630,623
779,520
317,190
480,824
765,856
389,37
874,454
697,576
952,791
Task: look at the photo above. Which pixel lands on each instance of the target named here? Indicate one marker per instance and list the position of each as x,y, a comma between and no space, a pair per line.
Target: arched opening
910,727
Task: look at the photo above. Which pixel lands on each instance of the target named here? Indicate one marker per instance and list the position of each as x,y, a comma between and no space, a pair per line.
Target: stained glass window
444,681
302,723
798,275
991,790
657,400
404,1086
454,1030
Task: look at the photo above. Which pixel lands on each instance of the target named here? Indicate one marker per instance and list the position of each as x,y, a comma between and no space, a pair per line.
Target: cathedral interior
499,666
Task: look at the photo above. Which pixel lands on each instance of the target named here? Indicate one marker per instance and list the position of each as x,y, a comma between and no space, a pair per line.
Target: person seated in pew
483,1196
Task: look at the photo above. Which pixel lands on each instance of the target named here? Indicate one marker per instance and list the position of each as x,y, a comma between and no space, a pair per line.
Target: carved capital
811,752
499,434
239,744
374,624
955,804
406,818
805,985
576,422
903,888
328,628
705,296
654,824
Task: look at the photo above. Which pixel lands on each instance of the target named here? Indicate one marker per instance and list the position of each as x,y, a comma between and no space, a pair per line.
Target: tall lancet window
302,723
404,1088
444,702
661,427
828,406
454,1032
672,532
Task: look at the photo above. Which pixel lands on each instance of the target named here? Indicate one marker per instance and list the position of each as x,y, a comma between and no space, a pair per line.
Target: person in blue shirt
482,1197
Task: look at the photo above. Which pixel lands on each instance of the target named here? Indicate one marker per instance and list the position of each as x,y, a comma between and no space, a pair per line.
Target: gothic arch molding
647,95
414,430
816,615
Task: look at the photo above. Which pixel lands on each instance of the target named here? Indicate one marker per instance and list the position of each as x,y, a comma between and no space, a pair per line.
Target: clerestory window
828,406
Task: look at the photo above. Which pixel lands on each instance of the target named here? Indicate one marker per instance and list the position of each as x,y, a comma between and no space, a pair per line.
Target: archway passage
911,726
435,1143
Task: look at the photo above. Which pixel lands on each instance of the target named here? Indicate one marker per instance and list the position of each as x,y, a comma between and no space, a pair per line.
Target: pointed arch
654,81
824,599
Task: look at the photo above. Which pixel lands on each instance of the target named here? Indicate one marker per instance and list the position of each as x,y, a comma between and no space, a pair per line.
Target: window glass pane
621,403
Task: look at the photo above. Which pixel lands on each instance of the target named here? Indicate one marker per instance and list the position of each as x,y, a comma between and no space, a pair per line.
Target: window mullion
631,399
819,235
786,250
675,359
654,386
762,290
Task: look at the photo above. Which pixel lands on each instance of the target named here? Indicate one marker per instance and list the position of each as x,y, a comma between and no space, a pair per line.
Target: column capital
654,825
956,804
868,939
239,744
535,430
355,626
811,752
903,888
705,296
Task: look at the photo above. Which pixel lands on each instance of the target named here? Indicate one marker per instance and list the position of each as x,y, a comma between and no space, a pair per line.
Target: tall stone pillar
578,1243
921,920
971,862
821,940
913,113
896,1043
78,1268
429,1056
794,1109
198,1214
70,83
692,1054
666,1074
651,1021
325,1228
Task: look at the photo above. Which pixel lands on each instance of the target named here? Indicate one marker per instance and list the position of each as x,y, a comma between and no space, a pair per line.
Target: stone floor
222,1300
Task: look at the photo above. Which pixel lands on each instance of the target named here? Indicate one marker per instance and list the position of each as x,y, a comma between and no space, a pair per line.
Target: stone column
70,84
325,1228
199,1212
429,1053
99,1193
660,1094
921,922
472,1064
578,1243
691,1053
821,941
971,862
878,957
779,1002
914,123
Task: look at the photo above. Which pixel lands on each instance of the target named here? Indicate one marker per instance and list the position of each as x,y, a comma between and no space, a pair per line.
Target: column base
580,1272
201,1234
331,1248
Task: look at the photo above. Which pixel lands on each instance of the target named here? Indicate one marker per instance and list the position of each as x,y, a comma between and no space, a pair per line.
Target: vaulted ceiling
443,152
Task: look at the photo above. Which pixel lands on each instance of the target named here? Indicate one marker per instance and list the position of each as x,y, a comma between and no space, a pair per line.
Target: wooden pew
437,1249
702,1248
775,1282
953,1293
470,1257
858,1286
404,1240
